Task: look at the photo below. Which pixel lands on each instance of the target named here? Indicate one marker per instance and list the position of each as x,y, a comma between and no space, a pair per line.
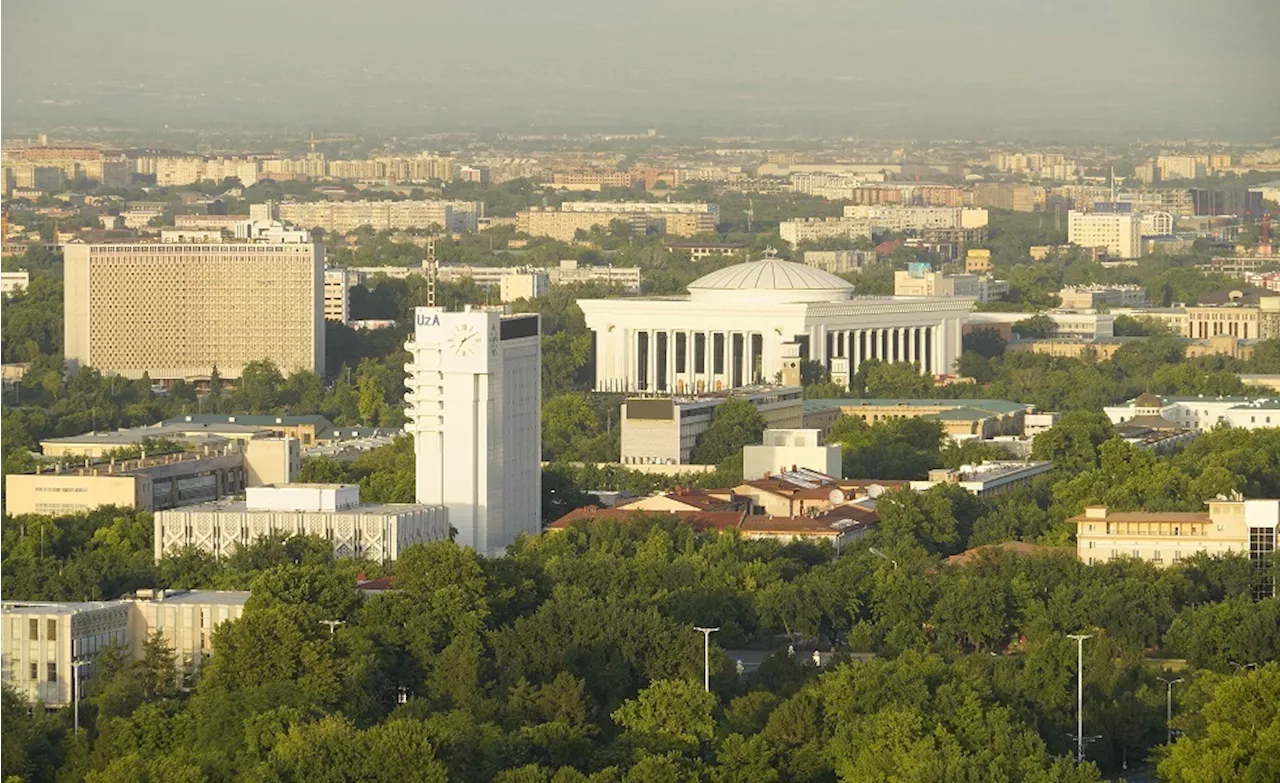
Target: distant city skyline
920,68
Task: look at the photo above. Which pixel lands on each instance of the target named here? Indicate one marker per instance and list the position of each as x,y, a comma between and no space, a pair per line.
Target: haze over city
568,391
916,68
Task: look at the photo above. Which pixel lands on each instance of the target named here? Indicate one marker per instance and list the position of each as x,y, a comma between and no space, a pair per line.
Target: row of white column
684,377
918,345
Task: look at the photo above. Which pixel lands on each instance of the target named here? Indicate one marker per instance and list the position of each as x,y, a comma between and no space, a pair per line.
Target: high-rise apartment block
337,295
1119,232
1013,196
474,407
902,218
343,216
677,219
176,310
816,229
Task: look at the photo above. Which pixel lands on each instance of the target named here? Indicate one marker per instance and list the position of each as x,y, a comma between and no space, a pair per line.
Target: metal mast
431,270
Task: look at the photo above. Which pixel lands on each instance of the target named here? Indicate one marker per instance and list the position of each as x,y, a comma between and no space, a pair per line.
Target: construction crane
431,271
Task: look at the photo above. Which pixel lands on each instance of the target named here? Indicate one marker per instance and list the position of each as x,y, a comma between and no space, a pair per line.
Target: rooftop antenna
1113,186
751,212
313,143
431,269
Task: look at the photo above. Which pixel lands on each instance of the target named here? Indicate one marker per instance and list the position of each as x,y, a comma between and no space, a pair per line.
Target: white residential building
14,282
1198,413
816,229
474,407
891,217
1119,232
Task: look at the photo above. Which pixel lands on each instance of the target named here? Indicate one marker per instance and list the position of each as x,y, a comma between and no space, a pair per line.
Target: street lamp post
75,690
333,624
1168,708
882,555
706,655
1079,693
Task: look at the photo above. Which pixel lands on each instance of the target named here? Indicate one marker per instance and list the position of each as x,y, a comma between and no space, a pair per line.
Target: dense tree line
574,658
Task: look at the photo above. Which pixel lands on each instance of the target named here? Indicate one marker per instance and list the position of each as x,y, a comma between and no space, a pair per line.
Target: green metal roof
264,420
988,407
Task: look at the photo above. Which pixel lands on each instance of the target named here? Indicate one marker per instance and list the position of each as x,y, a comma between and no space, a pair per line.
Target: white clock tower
475,413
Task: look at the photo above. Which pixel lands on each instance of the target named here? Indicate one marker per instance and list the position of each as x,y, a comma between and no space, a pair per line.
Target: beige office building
1166,537
41,639
152,482
337,295
177,311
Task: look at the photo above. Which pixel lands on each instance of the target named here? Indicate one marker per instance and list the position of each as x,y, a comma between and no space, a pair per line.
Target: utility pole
706,655
432,269
333,624
75,690
1079,693
880,554
1168,708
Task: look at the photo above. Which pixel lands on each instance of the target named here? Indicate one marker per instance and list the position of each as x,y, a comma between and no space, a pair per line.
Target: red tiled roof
382,583
699,520
830,524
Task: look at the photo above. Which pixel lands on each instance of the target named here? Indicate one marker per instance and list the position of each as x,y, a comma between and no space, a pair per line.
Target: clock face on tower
464,341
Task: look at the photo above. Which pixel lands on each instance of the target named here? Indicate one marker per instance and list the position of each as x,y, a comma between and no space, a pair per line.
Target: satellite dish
836,497
875,491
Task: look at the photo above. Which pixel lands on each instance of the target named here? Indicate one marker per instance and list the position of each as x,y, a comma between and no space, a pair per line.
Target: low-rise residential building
41,640
1167,537
977,261
673,218
665,430
377,532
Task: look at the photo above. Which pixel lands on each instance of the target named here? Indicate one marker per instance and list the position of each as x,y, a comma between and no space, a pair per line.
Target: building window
52,630
33,632
53,671
1091,544
35,671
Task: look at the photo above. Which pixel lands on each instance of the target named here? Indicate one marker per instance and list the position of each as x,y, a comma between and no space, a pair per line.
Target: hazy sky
941,68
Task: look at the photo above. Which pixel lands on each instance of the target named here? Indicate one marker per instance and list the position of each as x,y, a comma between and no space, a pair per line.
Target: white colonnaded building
749,323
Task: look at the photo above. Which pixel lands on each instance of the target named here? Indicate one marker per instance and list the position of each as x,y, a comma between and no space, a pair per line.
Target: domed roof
1149,400
770,280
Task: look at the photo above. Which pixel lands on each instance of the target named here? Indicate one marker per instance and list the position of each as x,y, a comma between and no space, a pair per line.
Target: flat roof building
151,482
665,430
375,531
173,311
1167,537
41,639
959,418
748,323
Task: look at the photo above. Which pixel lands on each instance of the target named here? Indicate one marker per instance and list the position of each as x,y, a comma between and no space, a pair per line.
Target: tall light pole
75,690
1168,708
333,624
706,655
1079,637
880,554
